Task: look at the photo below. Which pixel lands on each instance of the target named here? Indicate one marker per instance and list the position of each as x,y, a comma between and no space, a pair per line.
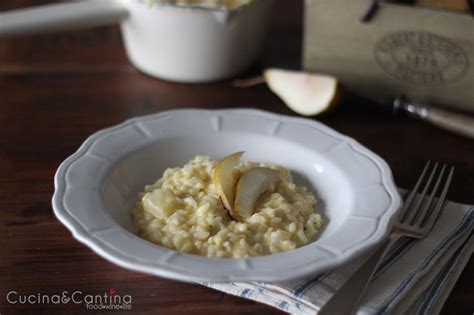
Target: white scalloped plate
97,187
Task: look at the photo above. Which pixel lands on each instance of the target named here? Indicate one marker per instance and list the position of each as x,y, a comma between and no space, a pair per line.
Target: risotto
182,211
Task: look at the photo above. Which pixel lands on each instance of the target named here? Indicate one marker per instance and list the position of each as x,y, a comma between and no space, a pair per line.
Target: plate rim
128,262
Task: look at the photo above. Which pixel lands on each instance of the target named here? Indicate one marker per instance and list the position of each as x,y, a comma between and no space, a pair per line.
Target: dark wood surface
55,90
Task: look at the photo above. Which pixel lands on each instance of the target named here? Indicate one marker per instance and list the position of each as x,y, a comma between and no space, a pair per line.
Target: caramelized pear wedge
307,94
251,185
225,179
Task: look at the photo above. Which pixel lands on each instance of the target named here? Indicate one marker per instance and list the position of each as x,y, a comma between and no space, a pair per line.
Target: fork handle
346,300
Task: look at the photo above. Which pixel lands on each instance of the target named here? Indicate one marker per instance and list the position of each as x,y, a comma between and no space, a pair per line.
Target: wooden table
55,90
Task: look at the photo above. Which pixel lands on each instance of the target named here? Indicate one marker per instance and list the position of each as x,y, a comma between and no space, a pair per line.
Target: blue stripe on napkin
245,292
283,305
394,254
299,290
298,306
441,277
461,228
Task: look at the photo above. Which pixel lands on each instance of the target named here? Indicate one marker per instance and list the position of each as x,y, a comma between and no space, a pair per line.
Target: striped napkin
416,277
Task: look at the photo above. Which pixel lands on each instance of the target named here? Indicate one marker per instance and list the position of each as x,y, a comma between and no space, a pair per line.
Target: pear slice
161,202
305,93
225,179
250,186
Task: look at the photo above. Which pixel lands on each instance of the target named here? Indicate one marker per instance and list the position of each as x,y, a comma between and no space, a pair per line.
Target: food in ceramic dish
227,209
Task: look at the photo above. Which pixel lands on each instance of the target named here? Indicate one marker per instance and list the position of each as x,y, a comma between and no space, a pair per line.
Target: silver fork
416,219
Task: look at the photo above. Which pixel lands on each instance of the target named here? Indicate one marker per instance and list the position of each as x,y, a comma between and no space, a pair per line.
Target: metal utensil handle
61,16
346,300
459,123
462,124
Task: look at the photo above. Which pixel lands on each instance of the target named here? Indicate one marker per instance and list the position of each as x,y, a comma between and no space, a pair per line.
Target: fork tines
421,211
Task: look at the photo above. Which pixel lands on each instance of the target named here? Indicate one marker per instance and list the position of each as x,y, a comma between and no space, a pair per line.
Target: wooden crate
420,52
